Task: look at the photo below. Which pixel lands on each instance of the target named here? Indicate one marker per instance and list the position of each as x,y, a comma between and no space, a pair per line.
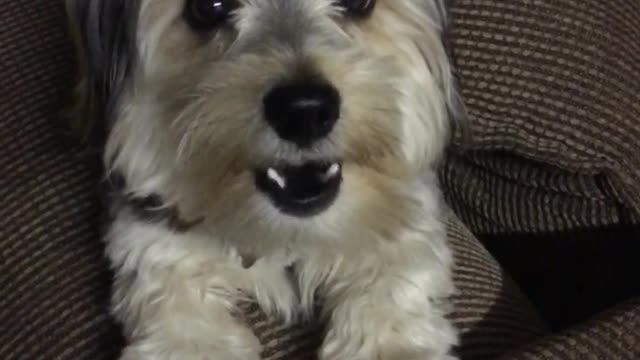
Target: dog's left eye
208,14
358,8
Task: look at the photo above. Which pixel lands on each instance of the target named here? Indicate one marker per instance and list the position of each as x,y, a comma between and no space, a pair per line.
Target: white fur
189,129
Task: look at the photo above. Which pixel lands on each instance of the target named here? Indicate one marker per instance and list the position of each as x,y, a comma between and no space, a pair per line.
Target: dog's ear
437,52
104,34
456,107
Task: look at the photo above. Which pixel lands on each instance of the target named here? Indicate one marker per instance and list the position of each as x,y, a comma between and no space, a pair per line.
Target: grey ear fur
104,34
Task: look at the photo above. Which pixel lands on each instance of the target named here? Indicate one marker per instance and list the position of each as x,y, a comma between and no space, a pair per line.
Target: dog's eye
358,8
208,14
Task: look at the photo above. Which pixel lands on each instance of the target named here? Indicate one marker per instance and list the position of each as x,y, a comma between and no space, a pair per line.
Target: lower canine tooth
277,178
332,172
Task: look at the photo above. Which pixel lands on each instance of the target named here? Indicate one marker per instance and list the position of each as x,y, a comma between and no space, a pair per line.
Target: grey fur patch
106,42
108,54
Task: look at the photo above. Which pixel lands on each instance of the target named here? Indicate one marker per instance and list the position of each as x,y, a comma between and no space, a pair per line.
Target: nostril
302,113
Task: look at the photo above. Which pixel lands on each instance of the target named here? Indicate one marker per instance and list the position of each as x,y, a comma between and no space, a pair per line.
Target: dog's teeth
333,170
277,178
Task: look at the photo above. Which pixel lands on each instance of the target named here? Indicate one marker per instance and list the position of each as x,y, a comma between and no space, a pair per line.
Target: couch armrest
613,335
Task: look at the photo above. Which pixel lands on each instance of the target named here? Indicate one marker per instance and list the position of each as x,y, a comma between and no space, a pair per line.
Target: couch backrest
53,279
556,82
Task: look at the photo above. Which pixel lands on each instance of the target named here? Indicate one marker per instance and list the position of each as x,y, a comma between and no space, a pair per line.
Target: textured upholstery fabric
501,193
612,335
53,280
555,82
548,175
490,310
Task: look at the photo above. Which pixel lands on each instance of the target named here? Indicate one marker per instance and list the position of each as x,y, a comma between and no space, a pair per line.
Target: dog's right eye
358,8
208,14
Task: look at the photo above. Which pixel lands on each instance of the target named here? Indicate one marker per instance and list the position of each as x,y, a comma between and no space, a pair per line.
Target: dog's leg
391,306
183,318
176,294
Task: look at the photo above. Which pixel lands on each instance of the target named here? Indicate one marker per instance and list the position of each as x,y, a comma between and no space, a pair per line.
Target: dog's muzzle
301,191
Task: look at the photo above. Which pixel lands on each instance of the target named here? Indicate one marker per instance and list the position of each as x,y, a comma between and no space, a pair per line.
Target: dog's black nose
302,113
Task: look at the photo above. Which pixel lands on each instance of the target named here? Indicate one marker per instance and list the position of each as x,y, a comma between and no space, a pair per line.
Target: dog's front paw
386,335
142,353
233,348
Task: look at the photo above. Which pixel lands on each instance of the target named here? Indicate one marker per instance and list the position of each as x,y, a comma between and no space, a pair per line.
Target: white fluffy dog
281,150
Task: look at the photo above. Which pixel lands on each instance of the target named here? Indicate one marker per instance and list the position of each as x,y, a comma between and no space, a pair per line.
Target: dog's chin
301,190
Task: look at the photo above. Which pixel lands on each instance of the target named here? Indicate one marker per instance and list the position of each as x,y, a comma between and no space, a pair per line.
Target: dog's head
266,115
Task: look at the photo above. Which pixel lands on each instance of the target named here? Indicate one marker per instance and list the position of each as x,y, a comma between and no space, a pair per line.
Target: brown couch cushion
612,335
549,176
501,193
555,82
53,280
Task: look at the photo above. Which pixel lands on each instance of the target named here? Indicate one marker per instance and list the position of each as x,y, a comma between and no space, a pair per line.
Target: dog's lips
301,190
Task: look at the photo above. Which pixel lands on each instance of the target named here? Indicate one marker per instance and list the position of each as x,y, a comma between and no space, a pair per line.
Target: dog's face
270,115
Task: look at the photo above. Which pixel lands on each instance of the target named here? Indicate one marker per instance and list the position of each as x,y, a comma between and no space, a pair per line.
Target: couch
543,186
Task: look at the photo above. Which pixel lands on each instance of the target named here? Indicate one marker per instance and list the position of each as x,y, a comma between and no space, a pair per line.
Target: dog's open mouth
302,190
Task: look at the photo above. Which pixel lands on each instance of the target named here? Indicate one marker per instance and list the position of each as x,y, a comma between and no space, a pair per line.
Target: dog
276,150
